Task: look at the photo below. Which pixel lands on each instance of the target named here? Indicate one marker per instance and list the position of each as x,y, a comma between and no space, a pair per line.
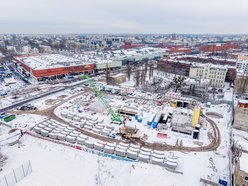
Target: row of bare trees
141,74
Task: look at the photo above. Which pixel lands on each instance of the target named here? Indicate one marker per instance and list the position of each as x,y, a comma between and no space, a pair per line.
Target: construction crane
99,96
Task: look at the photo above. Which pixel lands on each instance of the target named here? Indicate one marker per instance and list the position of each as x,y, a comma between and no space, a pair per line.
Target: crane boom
99,96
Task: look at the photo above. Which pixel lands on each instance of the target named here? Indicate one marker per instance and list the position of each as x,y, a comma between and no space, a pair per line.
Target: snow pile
10,139
241,139
26,121
97,107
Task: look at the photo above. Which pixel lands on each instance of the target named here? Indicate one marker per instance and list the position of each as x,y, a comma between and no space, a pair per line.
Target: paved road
47,93
40,96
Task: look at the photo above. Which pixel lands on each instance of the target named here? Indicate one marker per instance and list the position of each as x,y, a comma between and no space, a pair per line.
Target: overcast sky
124,16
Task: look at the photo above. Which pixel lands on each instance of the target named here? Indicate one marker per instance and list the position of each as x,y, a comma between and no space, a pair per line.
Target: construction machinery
128,132
99,96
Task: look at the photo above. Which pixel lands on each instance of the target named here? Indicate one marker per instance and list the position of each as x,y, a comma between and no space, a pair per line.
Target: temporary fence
94,151
16,175
83,148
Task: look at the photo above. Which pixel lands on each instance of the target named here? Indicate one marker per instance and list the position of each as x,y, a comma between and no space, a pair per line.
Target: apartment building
215,73
242,65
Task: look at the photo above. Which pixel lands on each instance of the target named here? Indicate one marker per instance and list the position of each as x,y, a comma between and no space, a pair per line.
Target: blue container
70,77
151,119
140,120
155,125
136,116
222,182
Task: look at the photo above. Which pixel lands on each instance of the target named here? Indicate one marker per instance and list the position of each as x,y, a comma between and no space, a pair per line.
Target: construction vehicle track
155,146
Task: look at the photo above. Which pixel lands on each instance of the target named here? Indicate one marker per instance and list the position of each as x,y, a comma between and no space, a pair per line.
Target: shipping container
9,118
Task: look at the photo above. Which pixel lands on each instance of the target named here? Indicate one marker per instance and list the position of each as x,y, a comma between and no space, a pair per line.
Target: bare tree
143,77
107,74
137,77
150,71
146,65
129,71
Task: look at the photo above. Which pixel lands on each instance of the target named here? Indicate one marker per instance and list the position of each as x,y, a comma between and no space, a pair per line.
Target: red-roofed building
212,48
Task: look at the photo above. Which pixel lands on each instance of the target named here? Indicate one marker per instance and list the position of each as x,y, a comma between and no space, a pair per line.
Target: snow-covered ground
241,139
12,87
19,91
23,122
58,165
10,138
224,125
142,107
49,101
26,121
55,164
226,95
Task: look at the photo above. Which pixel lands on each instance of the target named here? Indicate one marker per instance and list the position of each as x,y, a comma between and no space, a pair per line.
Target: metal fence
16,175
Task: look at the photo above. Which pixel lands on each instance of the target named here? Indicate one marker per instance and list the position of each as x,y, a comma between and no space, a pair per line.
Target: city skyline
111,17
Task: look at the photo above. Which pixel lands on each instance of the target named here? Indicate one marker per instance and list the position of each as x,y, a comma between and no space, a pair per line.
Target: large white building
118,58
216,74
242,65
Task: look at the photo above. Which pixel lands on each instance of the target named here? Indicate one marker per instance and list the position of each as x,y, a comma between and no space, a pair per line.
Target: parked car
2,115
3,93
27,107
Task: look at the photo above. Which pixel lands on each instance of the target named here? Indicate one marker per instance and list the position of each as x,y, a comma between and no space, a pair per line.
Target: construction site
131,119
123,93
112,116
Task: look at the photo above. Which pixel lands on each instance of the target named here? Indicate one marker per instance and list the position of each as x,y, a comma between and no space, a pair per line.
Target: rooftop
200,56
212,66
244,162
198,64
45,61
110,56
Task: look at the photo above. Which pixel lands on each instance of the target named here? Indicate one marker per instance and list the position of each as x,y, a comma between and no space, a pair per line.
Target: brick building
174,67
181,66
213,48
179,50
230,63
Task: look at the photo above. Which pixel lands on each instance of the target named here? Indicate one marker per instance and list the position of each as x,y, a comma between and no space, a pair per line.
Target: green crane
99,96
